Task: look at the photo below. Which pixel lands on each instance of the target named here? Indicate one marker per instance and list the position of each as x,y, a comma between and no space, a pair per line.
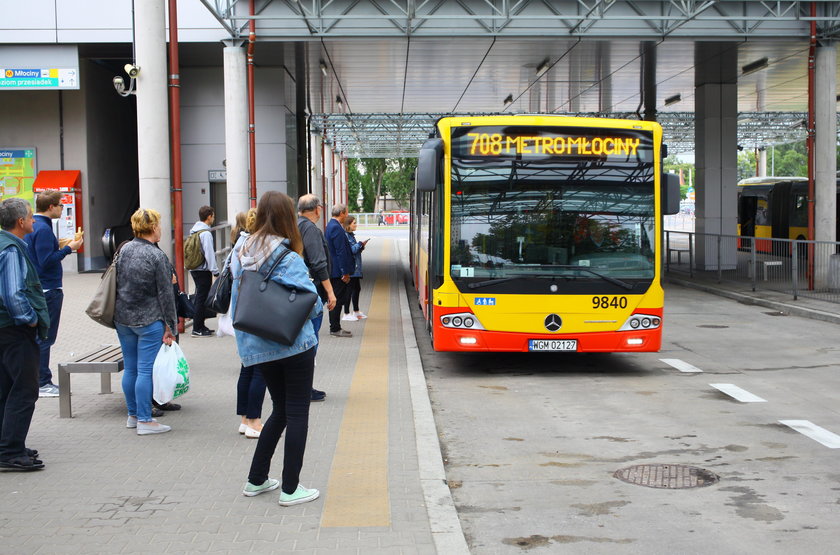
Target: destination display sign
39,78
538,142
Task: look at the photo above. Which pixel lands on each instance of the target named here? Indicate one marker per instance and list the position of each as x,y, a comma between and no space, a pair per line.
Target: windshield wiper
614,281
478,284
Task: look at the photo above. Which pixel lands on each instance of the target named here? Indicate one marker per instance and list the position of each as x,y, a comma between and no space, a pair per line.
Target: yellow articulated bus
541,233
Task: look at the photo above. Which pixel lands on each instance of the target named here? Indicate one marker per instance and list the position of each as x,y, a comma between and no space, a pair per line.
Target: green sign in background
17,173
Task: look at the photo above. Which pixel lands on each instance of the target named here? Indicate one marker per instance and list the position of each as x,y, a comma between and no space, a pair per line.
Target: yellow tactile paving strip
357,494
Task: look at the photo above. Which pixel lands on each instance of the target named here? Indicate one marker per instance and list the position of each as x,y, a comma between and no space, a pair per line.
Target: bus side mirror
428,165
671,194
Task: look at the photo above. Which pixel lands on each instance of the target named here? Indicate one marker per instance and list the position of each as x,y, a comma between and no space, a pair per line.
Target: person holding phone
355,285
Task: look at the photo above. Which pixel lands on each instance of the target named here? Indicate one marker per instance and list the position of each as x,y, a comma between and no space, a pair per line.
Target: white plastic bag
225,324
170,374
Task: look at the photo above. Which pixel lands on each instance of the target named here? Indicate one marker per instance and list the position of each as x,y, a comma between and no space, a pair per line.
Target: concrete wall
203,133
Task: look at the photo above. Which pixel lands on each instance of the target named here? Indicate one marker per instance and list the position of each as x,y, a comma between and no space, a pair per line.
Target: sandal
22,463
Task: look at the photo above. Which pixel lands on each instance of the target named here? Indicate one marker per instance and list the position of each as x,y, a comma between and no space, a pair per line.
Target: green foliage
672,165
375,177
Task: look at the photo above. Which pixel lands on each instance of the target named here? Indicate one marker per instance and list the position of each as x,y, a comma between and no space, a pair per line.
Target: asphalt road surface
532,441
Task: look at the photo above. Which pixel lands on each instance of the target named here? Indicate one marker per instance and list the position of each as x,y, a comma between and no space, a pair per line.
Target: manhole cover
667,476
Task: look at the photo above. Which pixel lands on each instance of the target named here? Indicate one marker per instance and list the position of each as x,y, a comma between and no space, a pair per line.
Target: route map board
17,173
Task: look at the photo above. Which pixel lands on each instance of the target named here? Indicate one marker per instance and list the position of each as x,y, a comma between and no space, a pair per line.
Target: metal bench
106,361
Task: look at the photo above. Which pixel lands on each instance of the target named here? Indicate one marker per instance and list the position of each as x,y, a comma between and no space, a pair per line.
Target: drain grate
667,476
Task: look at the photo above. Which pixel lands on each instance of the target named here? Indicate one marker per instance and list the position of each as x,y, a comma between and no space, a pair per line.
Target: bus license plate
552,344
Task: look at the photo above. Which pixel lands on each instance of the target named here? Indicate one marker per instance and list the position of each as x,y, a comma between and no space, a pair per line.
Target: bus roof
767,180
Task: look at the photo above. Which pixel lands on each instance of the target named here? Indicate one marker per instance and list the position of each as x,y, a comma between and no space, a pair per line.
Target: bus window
799,210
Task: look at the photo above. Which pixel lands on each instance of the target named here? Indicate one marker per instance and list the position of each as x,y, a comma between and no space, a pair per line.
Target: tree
399,180
374,169
672,165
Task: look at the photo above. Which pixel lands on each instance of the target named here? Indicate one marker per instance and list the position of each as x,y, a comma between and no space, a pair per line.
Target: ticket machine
69,183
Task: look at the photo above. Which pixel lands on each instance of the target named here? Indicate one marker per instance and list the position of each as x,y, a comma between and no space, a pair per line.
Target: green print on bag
183,371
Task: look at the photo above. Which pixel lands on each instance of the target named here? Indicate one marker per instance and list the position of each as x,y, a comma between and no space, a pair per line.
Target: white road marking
737,393
808,428
680,365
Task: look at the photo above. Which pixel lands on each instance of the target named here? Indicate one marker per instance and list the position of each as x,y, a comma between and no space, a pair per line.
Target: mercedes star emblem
553,322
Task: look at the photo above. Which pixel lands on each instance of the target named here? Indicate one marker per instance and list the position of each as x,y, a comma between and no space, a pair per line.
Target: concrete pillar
826,263
716,154
153,115
330,181
825,160
236,128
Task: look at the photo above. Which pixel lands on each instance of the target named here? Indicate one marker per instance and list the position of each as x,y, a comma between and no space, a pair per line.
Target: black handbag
218,299
183,306
269,309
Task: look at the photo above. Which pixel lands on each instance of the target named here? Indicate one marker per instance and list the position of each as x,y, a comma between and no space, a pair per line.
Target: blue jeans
54,298
250,392
140,346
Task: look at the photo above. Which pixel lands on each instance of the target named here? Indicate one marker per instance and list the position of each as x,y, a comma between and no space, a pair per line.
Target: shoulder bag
101,308
269,309
218,298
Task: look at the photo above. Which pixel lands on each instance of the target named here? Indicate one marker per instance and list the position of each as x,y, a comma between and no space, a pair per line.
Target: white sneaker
251,433
242,428
131,422
349,318
360,315
301,495
153,427
48,390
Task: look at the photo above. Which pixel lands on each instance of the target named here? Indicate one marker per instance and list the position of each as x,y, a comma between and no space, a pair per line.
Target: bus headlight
463,320
641,322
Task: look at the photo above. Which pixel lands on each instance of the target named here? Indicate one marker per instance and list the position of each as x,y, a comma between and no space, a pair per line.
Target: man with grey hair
317,259
342,265
23,317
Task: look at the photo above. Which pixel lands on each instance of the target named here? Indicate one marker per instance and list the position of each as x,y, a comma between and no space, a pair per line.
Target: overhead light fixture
542,68
757,65
323,67
673,99
508,100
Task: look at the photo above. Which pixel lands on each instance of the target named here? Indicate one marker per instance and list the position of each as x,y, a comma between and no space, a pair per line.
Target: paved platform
107,490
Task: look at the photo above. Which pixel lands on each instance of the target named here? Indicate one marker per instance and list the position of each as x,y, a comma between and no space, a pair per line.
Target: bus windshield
577,224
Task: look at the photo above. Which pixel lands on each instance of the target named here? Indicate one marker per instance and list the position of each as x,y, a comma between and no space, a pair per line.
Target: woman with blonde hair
250,387
144,316
286,369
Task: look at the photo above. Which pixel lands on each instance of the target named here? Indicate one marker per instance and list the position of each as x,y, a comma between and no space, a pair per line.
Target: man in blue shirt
47,256
342,265
23,317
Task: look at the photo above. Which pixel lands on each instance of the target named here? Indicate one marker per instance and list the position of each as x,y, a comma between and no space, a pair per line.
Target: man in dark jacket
342,264
23,317
317,259
47,256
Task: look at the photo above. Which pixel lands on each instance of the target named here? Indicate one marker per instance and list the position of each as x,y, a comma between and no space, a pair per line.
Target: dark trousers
203,279
341,290
250,392
355,287
55,298
19,356
289,382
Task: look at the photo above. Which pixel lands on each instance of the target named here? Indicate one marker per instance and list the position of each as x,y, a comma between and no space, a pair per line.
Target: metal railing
799,268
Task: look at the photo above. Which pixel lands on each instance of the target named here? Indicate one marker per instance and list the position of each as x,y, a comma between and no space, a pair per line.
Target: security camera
132,70
118,81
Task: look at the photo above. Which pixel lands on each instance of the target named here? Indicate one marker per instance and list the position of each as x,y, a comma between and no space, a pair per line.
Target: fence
799,268
392,219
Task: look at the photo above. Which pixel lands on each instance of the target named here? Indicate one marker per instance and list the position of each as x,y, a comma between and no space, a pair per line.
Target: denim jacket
291,272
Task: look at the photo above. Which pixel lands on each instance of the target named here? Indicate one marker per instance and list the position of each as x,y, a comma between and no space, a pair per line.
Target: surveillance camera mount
119,83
